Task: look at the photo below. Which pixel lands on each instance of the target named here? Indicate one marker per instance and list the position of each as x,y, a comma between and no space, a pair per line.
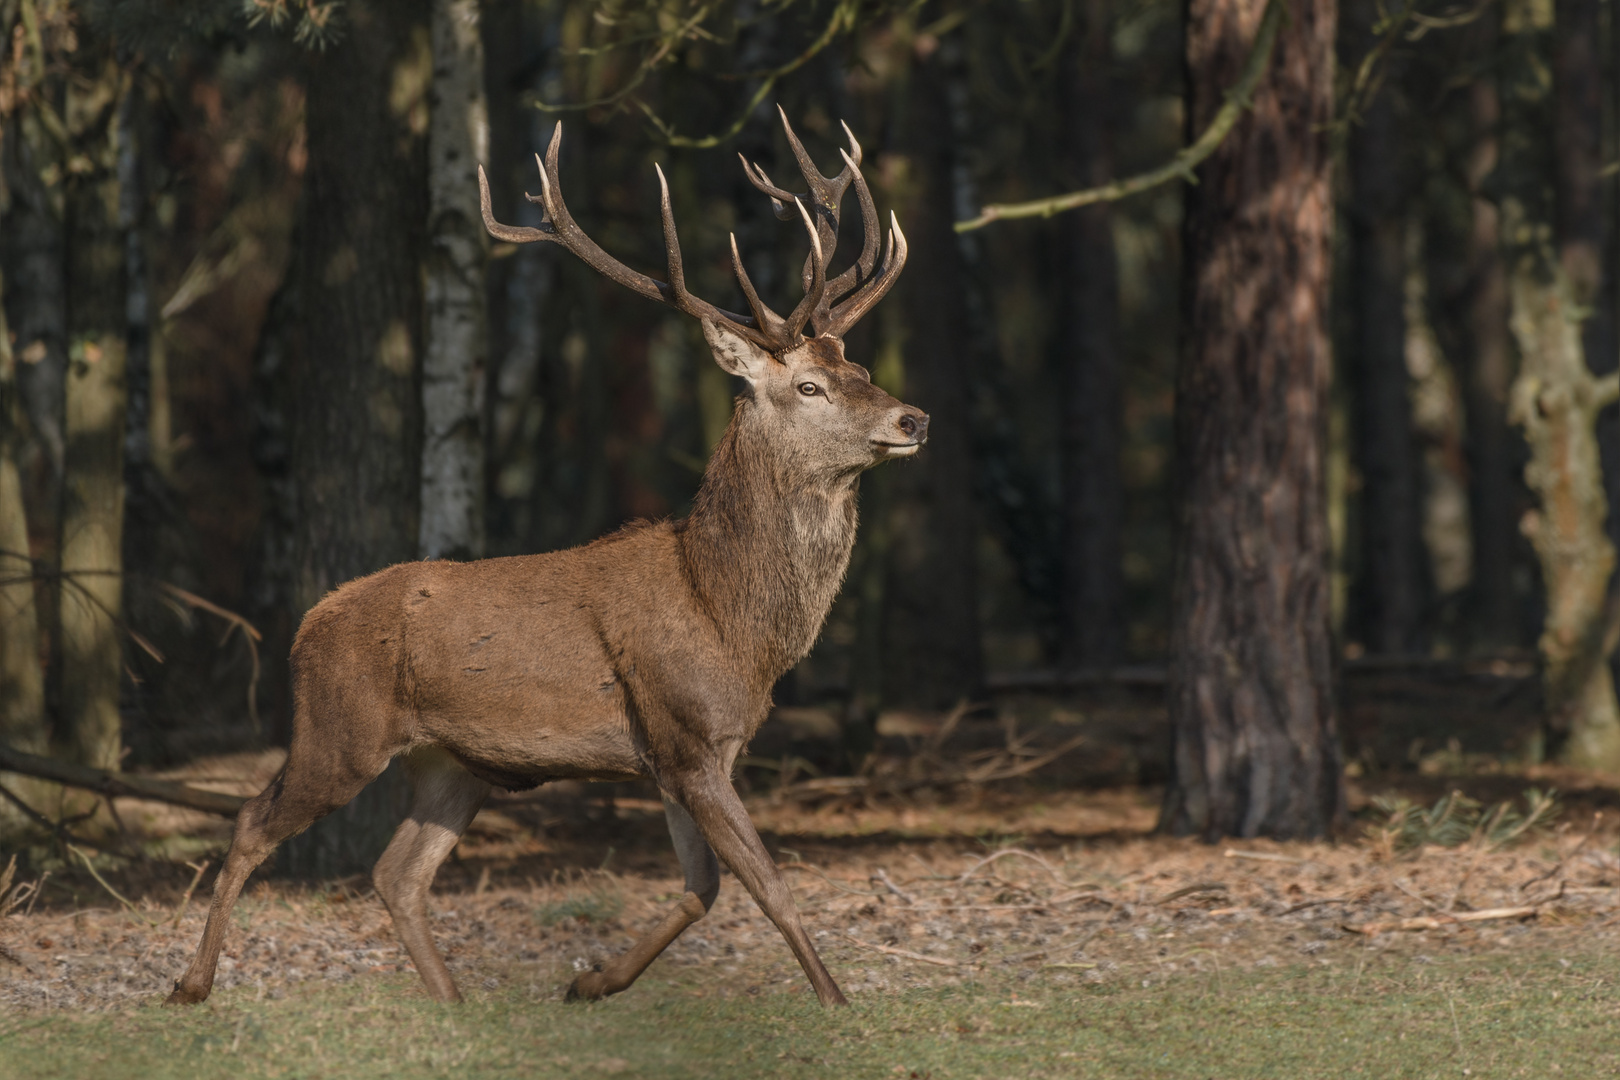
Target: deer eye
809,389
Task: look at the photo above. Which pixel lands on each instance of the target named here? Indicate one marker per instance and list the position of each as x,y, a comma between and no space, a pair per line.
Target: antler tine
780,197
684,300
816,287
871,231
767,320
510,233
850,311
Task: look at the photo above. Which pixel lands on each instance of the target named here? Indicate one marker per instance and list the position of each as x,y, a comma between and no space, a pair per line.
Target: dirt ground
1064,885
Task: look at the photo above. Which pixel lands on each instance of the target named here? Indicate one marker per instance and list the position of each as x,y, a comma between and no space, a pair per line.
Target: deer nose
915,426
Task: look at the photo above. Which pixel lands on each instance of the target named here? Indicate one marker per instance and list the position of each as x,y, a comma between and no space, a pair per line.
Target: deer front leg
719,813
702,886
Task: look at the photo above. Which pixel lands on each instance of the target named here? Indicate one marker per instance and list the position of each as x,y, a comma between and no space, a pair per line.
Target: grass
1512,1014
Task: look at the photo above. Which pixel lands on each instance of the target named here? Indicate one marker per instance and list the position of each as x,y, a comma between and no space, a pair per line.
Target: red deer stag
650,652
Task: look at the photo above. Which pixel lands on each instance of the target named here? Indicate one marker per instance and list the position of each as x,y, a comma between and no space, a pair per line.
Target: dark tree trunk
1254,741
356,445
1091,609
1496,497
1390,586
931,627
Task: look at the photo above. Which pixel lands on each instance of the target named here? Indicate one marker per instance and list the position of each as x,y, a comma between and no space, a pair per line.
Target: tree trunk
1494,497
22,679
92,521
452,523
1254,743
930,620
1390,586
356,442
1092,606
1555,401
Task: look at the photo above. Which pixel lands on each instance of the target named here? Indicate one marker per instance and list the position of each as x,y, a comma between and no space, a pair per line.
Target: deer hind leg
310,786
702,886
445,799
719,813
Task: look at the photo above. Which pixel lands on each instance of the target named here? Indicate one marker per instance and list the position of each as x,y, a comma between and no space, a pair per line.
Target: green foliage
1400,825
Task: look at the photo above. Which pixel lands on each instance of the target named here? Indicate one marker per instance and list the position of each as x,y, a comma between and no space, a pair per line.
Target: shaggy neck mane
767,545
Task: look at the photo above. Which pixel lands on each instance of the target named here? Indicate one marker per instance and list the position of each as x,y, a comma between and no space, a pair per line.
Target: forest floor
1006,933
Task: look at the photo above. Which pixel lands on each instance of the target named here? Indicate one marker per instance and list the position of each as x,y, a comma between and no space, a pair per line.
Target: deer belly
521,743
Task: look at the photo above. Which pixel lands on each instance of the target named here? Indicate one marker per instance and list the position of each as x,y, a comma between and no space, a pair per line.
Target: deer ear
733,352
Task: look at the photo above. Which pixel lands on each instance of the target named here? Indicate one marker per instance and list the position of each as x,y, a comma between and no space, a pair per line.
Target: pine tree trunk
452,524
931,630
356,443
1254,737
1092,607
92,518
1555,401
1390,587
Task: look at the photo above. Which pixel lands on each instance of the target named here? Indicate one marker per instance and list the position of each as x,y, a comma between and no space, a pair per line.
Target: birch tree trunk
452,524
1254,738
1555,401
92,522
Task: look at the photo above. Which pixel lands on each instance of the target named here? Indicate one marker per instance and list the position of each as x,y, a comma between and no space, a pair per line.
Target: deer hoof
183,996
590,986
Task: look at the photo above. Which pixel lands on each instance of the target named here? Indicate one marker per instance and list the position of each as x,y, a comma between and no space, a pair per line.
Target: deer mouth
897,449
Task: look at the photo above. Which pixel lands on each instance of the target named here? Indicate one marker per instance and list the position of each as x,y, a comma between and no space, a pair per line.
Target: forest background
1340,409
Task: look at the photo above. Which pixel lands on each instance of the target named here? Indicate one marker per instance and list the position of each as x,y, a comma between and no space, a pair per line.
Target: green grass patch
1508,1015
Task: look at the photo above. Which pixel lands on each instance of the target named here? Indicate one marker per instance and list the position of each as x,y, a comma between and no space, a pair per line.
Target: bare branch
119,785
1181,166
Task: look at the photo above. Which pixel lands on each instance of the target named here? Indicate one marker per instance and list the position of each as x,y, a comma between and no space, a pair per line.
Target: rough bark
930,620
1555,401
1389,590
452,520
1092,604
92,515
1254,746
356,440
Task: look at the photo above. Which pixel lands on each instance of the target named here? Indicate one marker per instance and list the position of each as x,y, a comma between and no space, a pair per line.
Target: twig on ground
1201,887
1314,903
881,877
7,955
114,893
909,955
822,874
1021,853
186,898
1261,856
1435,922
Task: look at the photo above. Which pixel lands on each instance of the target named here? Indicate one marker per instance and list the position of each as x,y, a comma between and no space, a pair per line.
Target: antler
825,196
764,327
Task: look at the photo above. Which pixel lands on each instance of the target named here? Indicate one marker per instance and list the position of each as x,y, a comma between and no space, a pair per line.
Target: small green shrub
1399,825
596,906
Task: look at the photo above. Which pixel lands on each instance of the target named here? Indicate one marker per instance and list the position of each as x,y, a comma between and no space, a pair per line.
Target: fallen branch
119,785
1435,922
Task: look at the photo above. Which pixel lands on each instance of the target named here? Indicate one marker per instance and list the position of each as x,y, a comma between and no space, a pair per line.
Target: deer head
819,411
